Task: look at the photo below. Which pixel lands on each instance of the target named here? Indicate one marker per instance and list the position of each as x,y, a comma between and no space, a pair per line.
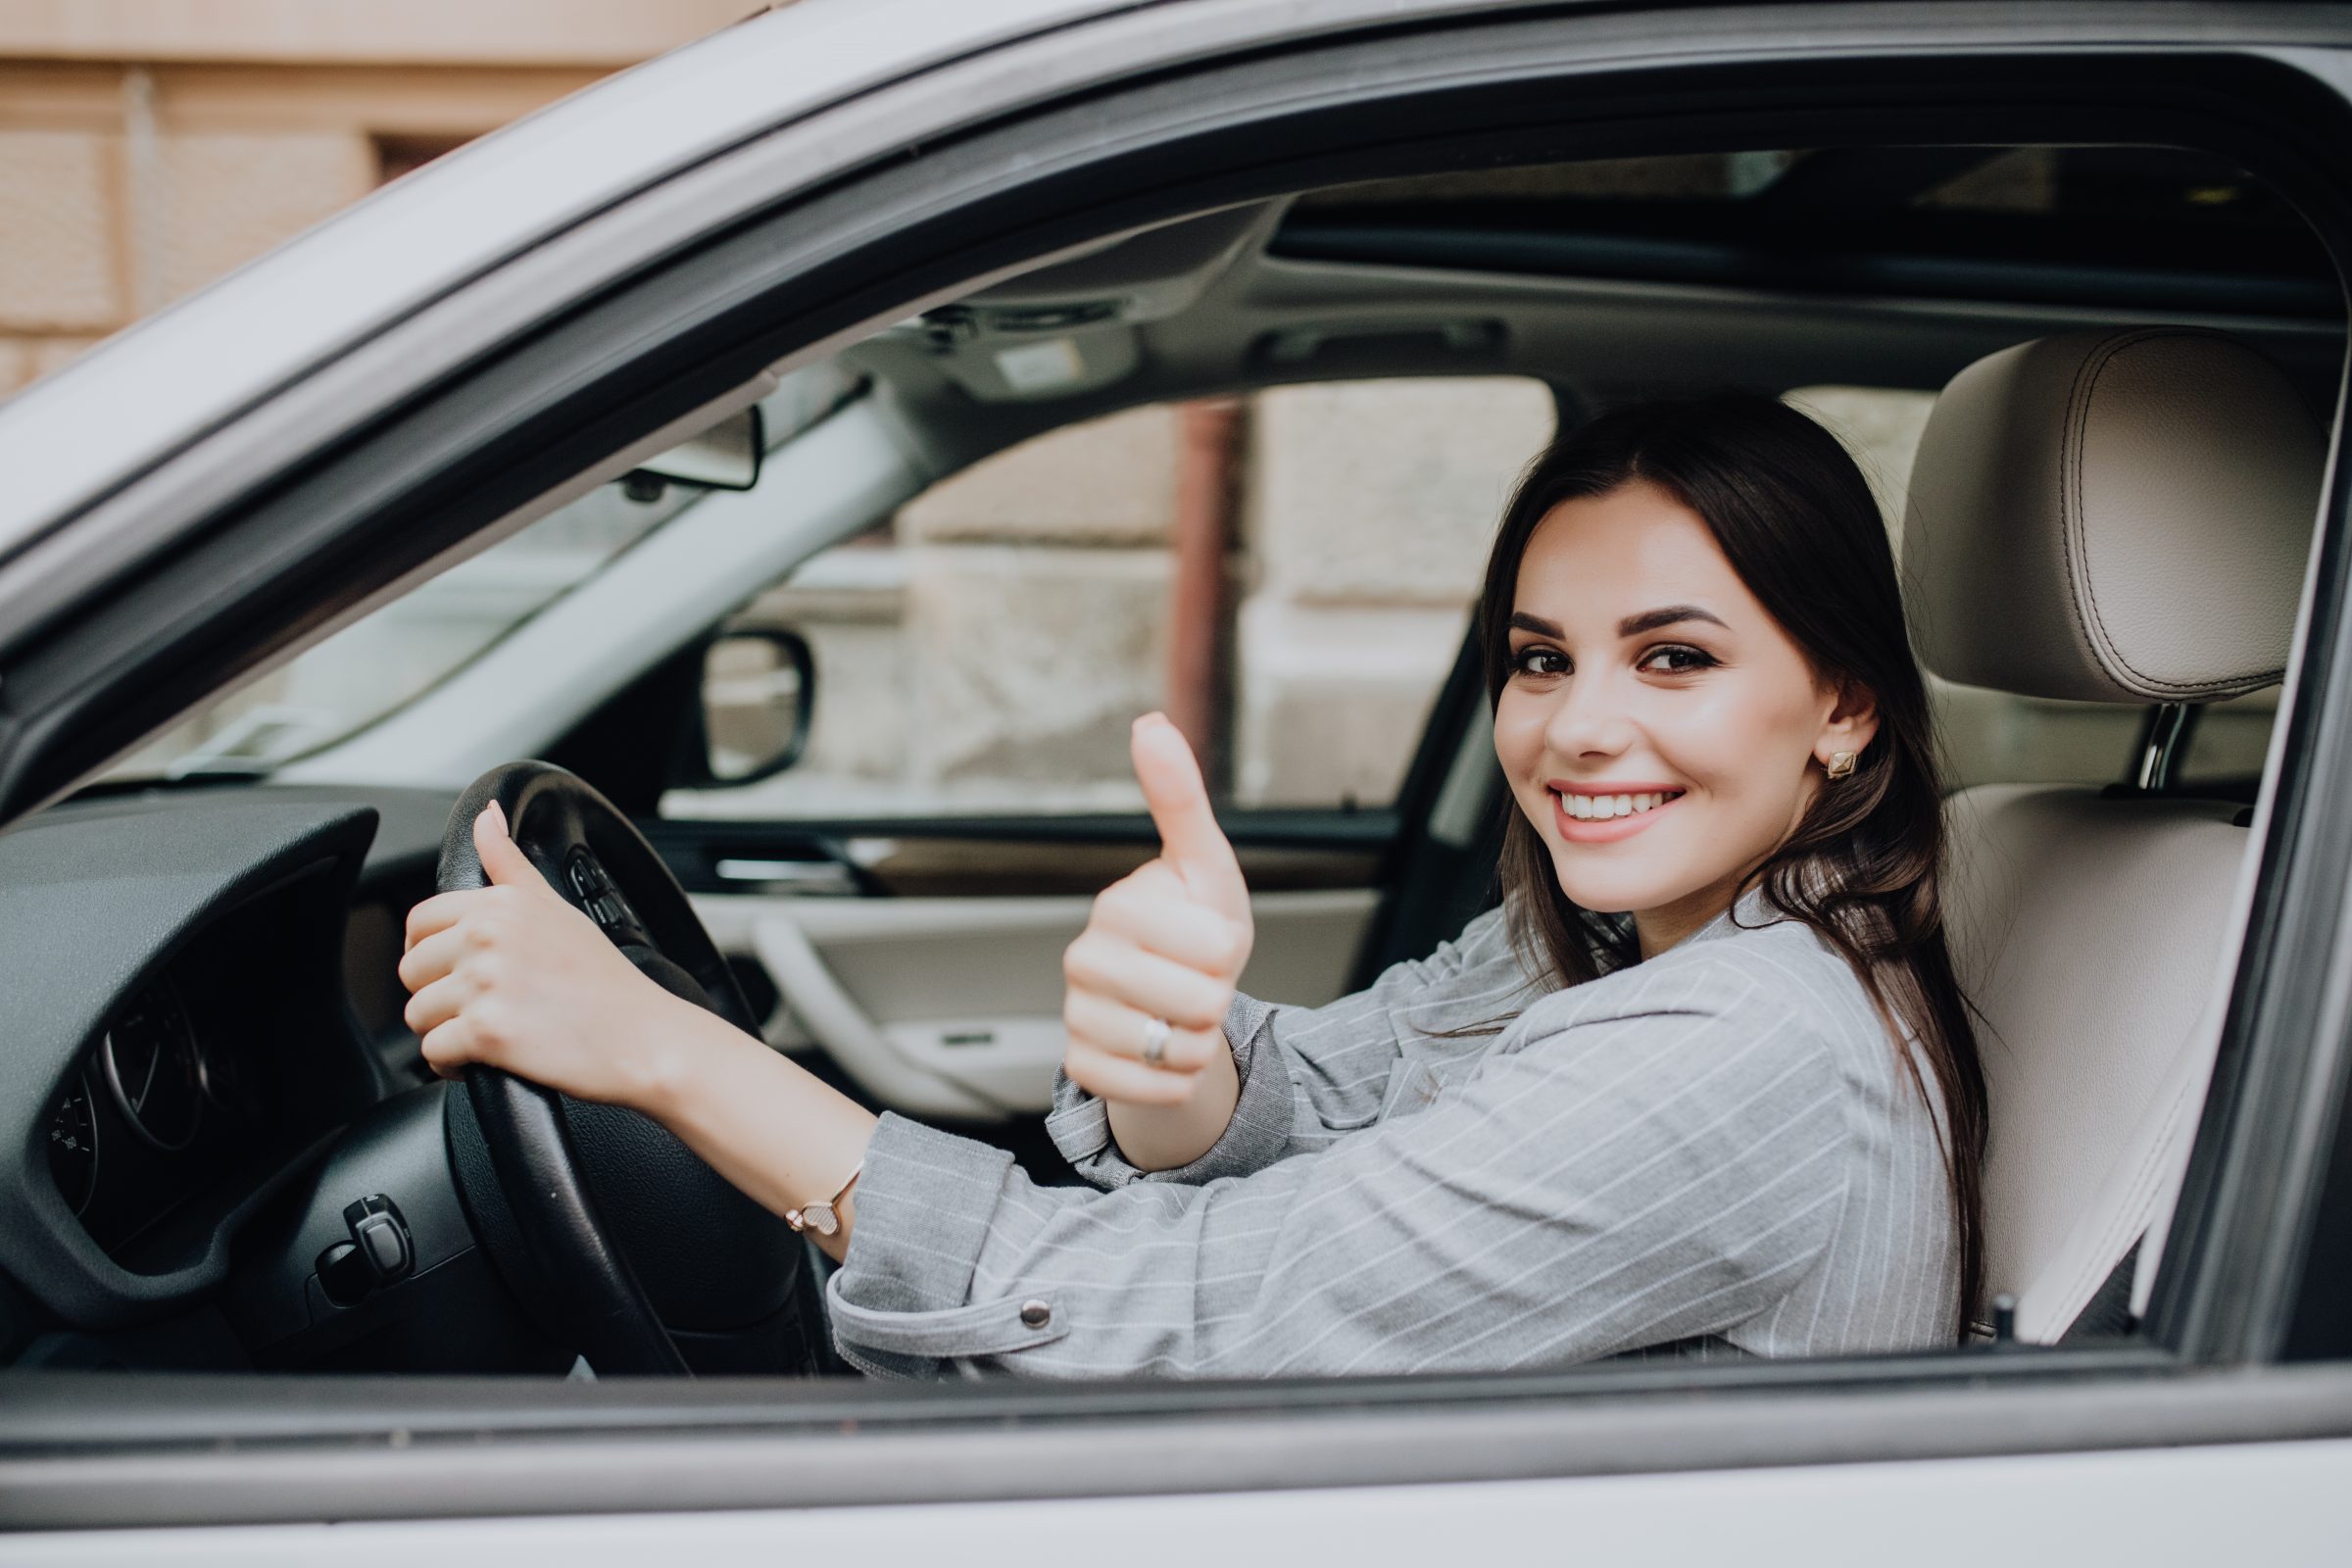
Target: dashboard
196,1079
199,1037
219,1147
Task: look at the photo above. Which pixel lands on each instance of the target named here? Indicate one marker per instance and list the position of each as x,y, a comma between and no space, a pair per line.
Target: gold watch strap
821,1217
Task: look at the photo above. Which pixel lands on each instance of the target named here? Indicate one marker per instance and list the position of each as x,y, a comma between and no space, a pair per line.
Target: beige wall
147,146
602,34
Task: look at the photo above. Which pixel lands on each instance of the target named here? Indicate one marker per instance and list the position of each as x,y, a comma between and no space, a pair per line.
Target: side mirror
758,693
726,456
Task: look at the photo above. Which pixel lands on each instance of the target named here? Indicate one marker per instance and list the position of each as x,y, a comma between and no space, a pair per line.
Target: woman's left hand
512,976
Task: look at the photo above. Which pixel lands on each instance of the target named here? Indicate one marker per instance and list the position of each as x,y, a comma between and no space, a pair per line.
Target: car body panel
2170,1508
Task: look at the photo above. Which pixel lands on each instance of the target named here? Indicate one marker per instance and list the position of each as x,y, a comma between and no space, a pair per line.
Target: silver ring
1155,1040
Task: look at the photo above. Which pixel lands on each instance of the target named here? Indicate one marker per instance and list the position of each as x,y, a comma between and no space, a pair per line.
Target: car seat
2104,517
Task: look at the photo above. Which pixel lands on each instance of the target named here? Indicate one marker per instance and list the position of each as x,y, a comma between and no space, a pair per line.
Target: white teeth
1601,808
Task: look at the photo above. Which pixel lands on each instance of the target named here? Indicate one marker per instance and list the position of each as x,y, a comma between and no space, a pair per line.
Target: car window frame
2263,1156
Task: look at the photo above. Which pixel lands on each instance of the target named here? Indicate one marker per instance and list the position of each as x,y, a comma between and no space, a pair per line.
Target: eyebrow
1653,620
1630,626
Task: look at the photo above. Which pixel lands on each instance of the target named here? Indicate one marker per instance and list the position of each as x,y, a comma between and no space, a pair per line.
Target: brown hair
1797,523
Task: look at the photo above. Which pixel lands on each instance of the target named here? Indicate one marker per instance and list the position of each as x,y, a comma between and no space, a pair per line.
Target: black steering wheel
615,1236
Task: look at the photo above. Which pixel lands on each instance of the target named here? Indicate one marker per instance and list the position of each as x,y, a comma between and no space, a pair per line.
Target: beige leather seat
2113,517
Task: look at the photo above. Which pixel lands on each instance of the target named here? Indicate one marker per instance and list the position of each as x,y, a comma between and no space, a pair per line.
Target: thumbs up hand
1166,944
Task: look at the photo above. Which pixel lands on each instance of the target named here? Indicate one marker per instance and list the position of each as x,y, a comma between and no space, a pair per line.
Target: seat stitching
2084,594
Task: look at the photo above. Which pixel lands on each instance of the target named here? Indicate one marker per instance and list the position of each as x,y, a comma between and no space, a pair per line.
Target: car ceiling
1602,299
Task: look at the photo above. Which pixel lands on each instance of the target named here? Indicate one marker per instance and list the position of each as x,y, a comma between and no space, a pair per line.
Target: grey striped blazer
1716,1149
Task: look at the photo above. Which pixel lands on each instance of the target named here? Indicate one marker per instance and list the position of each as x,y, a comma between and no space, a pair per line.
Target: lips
1587,814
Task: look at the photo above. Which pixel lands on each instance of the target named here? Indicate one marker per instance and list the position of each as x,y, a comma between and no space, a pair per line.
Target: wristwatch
819,1217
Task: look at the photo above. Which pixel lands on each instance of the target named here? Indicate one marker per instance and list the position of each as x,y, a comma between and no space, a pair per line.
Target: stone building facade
147,146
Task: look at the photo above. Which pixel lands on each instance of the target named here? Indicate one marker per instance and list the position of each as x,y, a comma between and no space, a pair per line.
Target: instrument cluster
165,1099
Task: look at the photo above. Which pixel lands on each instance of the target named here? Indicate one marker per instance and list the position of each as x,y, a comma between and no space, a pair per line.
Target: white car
468,477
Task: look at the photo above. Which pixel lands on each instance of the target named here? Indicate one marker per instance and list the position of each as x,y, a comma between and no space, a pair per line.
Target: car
570,464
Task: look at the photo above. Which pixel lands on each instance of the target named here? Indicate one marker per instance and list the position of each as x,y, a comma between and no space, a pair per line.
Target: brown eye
1676,659
1537,659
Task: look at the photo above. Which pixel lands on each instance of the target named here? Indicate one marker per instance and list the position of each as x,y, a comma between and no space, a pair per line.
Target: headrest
2112,517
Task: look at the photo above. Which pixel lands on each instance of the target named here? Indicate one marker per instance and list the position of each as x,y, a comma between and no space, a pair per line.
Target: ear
1851,722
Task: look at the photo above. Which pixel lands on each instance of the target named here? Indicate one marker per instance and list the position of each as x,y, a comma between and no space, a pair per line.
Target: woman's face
1659,727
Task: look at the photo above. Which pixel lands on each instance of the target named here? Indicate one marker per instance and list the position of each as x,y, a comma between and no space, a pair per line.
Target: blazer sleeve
1309,1075
1612,1181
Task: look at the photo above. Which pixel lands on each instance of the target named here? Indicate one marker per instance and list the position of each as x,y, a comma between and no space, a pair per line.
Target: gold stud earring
1839,764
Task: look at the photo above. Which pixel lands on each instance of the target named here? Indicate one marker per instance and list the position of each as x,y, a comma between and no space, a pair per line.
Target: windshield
386,659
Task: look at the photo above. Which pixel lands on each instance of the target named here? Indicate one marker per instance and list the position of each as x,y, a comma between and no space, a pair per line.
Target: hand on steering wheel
561,946
514,977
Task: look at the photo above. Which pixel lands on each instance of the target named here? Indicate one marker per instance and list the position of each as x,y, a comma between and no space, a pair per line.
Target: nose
1591,719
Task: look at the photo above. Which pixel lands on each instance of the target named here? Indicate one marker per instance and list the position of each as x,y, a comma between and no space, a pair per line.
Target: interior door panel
952,1006
937,865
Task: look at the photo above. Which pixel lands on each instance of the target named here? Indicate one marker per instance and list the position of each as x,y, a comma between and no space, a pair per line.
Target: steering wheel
615,1236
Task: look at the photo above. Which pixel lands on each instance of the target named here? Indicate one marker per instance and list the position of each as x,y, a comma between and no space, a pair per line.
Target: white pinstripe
1497,1200
1718,1142
1584,1244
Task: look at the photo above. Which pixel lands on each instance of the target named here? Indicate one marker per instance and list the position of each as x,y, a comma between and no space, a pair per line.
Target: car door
2226,1420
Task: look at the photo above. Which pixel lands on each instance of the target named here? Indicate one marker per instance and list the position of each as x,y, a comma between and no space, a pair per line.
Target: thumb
1191,840
503,859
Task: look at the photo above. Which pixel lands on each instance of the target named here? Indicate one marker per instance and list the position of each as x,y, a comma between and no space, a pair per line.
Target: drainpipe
1208,466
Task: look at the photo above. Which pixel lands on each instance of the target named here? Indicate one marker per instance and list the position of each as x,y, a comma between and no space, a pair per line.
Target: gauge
149,1060
73,1144
222,1073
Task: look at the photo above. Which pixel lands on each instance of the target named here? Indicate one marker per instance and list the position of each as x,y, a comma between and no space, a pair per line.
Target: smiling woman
1749,1124
1702,683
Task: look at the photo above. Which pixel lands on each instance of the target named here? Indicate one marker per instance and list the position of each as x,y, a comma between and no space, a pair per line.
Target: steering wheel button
1036,1315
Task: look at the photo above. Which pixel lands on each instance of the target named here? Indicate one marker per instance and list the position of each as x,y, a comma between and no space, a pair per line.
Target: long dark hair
1796,519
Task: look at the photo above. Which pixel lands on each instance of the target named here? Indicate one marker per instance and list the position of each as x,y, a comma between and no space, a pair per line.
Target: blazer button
1036,1315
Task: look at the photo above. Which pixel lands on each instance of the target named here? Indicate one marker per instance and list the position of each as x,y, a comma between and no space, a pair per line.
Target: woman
1704,1081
